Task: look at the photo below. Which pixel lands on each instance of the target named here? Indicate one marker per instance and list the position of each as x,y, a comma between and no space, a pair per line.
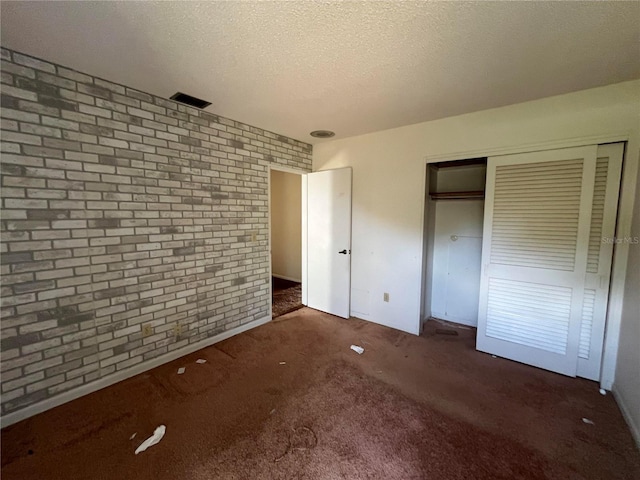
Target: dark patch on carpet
446,331
287,297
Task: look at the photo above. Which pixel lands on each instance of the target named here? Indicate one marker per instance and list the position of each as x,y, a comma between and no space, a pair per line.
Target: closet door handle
343,252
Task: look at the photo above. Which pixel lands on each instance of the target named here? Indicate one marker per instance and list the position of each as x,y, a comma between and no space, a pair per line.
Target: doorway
286,241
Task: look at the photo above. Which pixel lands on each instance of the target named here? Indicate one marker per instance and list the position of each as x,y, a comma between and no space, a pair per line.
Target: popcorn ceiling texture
349,66
121,209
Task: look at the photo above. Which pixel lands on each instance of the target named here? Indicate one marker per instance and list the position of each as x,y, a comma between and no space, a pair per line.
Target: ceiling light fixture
322,134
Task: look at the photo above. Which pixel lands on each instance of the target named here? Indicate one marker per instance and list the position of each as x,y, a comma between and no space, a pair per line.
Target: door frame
628,185
303,227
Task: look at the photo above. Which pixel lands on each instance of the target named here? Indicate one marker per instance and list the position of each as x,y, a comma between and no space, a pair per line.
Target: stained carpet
428,407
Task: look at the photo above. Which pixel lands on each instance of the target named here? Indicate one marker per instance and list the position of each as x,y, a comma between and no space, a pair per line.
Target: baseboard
291,279
450,319
31,410
633,426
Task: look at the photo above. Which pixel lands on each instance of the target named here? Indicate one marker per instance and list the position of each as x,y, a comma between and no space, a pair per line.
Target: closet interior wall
453,224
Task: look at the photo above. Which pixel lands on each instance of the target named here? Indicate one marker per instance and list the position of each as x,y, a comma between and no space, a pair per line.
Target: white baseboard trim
633,426
291,279
451,319
31,410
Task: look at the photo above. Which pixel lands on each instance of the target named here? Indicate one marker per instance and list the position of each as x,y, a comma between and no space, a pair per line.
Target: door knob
343,252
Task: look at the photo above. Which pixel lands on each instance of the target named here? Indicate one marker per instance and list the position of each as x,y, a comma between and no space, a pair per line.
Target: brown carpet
287,297
427,407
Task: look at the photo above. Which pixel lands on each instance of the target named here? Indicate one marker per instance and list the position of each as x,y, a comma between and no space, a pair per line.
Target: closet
455,205
543,272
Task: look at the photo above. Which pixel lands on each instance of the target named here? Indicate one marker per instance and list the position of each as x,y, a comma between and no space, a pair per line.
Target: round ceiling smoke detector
322,134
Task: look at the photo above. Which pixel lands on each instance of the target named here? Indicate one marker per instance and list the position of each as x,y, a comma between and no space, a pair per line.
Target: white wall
455,291
627,382
286,233
389,175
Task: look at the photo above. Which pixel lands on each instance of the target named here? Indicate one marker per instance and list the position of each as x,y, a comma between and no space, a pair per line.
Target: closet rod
456,195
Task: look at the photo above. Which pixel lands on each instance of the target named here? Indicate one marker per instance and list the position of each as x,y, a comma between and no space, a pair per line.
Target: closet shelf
456,195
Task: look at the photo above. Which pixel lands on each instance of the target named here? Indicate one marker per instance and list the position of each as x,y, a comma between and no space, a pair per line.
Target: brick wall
132,226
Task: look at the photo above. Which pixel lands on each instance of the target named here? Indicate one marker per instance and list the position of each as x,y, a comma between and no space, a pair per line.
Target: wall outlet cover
147,329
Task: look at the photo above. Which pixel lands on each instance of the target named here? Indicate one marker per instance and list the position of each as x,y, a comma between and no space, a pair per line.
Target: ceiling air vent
189,100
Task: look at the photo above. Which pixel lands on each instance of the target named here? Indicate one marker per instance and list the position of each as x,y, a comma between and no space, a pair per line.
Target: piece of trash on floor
446,331
603,391
587,421
201,360
357,349
493,356
181,370
272,411
158,433
133,436
283,363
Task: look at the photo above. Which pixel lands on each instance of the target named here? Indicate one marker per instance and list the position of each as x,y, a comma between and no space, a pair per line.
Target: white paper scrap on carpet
158,433
181,370
357,349
201,360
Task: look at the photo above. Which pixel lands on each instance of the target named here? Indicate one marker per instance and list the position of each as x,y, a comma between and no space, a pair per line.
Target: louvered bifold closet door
600,255
534,256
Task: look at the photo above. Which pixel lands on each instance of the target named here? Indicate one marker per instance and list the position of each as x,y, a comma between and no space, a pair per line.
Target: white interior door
328,253
600,255
534,256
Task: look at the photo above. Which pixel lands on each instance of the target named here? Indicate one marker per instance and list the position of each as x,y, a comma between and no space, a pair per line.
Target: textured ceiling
351,67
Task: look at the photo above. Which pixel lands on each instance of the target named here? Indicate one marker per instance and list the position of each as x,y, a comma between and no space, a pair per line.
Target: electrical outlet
386,297
147,329
177,329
